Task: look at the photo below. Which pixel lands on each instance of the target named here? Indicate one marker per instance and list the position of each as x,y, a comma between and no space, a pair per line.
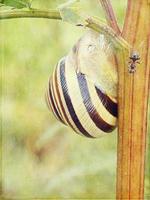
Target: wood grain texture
133,103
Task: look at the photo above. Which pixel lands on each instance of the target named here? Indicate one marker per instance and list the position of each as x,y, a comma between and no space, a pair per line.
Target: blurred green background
40,157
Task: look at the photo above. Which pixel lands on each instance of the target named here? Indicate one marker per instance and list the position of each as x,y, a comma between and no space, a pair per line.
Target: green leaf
70,12
17,3
69,3
70,15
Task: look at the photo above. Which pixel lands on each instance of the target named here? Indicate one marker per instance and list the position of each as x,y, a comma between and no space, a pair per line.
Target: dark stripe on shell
60,101
111,106
68,100
56,103
53,105
47,100
94,115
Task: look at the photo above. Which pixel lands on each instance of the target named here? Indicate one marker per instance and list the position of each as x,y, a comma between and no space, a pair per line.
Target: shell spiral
78,103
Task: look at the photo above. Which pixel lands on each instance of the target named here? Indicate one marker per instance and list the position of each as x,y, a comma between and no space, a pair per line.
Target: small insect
134,60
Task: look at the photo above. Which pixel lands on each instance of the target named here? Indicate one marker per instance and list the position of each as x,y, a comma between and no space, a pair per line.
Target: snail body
79,101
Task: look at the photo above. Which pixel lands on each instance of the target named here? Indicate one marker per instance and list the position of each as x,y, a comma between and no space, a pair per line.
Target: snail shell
77,101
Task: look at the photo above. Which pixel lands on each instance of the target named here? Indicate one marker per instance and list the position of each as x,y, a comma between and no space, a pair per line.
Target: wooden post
133,103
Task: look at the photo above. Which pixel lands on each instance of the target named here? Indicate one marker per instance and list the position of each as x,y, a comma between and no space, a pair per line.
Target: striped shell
82,90
78,103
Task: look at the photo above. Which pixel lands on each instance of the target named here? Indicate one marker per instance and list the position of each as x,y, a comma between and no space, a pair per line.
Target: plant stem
97,25
114,37
110,16
133,103
33,13
112,22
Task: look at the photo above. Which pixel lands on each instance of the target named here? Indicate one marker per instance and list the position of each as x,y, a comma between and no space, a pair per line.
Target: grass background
40,157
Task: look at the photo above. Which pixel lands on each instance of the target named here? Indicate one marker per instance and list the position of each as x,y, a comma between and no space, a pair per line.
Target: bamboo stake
133,103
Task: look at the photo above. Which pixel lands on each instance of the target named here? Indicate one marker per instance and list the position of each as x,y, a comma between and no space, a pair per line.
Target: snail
82,91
